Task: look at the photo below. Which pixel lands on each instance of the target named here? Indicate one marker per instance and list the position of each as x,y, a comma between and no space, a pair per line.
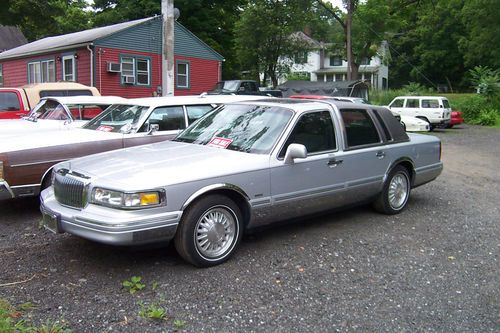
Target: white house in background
320,65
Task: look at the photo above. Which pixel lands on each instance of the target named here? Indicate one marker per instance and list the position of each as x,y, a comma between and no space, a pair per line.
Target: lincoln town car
241,166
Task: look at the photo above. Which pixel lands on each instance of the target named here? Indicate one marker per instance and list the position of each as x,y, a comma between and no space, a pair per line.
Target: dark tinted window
359,128
382,124
315,131
397,103
168,118
81,92
9,101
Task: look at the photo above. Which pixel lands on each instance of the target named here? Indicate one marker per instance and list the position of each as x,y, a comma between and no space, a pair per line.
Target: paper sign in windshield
104,128
220,142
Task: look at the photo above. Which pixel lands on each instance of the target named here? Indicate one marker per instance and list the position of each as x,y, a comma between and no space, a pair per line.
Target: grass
134,284
11,320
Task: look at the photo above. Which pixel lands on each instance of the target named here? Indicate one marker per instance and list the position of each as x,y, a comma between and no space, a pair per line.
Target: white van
435,110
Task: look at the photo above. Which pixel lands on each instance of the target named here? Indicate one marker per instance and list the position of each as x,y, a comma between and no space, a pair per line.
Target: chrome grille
69,191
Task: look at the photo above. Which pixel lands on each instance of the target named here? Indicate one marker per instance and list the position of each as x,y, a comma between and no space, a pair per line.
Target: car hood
17,142
162,164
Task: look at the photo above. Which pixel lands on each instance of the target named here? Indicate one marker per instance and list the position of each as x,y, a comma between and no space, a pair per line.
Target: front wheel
395,192
210,231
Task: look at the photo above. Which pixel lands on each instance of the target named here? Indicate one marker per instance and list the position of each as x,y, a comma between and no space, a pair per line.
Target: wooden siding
15,71
110,83
188,45
203,75
144,37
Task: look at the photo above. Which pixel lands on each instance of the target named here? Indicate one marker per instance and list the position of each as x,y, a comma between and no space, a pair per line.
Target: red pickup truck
17,102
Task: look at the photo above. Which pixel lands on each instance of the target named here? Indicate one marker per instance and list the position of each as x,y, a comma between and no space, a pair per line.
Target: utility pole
167,63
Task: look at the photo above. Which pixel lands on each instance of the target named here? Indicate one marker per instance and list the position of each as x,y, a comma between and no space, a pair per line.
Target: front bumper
108,225
5,191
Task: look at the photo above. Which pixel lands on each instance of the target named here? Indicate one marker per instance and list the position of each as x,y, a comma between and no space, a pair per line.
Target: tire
395,193
210,231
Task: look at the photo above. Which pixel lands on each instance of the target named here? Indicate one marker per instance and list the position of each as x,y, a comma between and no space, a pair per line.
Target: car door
365,155
412,107
11,106
169,120
314,183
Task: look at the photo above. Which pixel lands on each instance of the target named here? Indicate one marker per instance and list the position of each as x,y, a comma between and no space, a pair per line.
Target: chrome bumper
5,191
108,225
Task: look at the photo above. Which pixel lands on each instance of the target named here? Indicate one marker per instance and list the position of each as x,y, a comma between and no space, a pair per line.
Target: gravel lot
434,267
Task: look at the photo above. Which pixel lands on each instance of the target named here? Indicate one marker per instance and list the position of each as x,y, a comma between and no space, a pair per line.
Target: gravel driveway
434,267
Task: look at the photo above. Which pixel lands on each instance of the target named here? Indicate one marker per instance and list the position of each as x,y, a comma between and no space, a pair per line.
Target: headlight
117,199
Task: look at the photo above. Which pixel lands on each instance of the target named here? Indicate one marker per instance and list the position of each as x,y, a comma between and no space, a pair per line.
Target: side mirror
153,126
294,151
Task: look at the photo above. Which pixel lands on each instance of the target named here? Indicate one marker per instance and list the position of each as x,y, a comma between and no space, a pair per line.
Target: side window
197,111
359,127
9,101
169,118
398,103
412,103
430,103
315,131
446,103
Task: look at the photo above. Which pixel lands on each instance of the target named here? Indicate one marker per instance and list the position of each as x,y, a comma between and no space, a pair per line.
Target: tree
38,19
263,36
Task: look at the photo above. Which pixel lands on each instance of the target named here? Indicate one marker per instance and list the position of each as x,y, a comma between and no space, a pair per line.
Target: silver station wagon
241,166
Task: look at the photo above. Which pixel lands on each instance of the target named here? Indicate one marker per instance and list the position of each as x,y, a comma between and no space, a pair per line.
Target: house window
68,68
182,74
48,71
34,72
365,61
335,60
1,75
300,58
143,72
136,71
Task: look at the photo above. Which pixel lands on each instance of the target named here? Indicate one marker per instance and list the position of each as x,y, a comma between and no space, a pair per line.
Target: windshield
49,109
117,118
227,85
245,128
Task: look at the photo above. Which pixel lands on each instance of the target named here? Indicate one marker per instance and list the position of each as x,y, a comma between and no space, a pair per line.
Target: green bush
486,117
478,110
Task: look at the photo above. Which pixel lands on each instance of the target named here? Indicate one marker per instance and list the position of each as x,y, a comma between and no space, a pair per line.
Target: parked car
26,160
413,124
59,113
241,166
18,102
456,118
433,109
243,87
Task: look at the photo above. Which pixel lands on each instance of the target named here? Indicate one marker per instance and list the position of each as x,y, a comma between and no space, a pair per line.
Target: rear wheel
210,231
395,192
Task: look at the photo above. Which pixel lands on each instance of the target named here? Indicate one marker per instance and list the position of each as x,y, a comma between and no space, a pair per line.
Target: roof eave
36,53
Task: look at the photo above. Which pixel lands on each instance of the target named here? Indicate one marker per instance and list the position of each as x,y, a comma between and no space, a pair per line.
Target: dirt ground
435,267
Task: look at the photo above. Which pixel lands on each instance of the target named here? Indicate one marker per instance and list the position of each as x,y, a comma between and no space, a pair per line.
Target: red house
122,59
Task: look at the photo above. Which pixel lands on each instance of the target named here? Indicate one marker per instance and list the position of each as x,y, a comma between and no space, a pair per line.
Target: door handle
380,154
332,163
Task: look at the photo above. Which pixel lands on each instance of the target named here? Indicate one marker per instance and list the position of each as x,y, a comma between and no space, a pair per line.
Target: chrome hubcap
398,191
215,232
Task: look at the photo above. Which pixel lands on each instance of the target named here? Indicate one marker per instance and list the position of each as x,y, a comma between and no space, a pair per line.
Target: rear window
359,127
79,92
9,101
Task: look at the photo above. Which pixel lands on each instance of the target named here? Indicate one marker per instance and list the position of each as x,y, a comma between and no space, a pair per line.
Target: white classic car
59,113
242,165
26,160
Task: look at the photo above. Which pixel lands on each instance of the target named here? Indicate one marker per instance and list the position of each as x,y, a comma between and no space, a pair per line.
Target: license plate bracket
51,222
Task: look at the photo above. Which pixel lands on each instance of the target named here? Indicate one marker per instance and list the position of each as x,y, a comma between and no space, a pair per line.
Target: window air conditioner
114,67
129,79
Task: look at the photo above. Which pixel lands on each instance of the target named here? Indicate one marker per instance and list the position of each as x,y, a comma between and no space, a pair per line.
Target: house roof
302,37
64,41
11,37
343,69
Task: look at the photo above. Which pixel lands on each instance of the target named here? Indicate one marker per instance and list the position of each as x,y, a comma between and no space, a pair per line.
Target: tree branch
335,16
